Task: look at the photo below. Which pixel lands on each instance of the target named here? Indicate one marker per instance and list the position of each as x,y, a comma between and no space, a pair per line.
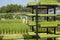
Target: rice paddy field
10,29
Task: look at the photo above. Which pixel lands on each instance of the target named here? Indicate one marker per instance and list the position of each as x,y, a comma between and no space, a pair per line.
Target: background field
13,27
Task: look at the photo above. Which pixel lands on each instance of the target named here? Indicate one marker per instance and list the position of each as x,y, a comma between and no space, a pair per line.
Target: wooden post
54,32
32,19
54,20
47,19
36,22
47,30
47,13
32,13
54,13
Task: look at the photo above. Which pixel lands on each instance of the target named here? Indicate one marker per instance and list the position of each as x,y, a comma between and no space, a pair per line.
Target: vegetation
13,8
49,2
11,36
45,2
44,23
42,14
13,27
31,3
10,27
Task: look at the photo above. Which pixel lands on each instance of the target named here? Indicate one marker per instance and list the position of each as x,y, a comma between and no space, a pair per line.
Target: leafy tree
8,16
14,8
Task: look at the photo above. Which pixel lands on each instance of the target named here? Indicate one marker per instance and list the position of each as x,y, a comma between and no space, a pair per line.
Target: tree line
14,8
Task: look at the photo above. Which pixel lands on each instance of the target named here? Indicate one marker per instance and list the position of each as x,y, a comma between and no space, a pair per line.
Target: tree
14,8
58,0
8,16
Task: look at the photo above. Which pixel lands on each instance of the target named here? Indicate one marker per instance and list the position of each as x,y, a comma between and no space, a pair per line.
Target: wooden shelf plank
51,2
48,24
11,36
44,24
45,35
42,14
45,2
57,33
31,33
31,3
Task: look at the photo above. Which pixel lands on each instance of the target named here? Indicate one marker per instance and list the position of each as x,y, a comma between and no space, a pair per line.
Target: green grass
49,2
53,2
31,3
45,23
13,27
12,36
31,33
42,14
45,35
57,32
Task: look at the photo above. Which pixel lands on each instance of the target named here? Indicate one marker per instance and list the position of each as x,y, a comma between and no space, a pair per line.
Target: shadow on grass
1,37
30,37
27,37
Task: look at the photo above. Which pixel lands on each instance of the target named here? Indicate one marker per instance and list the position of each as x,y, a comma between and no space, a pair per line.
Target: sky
20,2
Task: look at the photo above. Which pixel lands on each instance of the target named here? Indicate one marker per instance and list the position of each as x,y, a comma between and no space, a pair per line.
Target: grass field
13,27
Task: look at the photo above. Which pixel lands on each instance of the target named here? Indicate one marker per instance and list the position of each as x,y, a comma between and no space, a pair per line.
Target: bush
8,16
